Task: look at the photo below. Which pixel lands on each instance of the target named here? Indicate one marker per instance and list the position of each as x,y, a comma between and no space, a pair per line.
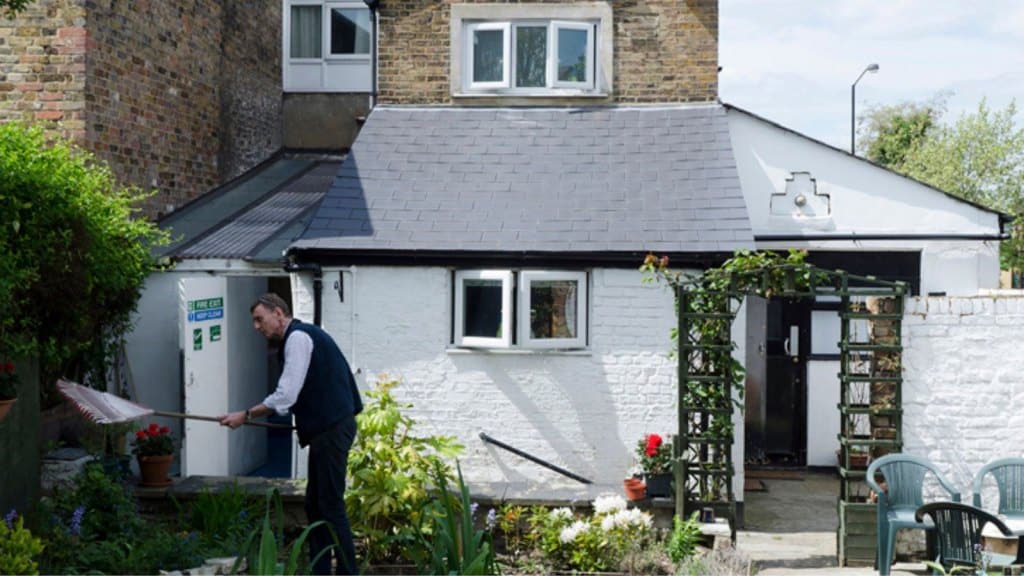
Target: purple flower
492,519
76,521
473,507
9,519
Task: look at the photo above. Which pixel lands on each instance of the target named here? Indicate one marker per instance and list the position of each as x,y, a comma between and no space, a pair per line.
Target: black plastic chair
958,531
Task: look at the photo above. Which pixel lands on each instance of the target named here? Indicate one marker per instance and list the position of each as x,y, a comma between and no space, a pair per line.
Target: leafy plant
153,441
18,547
684,539
391,475
654,454
222,518
456,546
68,235
261,547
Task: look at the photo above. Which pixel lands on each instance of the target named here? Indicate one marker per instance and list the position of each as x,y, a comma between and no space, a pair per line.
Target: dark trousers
325,498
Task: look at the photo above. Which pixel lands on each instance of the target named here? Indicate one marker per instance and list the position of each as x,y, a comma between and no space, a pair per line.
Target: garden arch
711,380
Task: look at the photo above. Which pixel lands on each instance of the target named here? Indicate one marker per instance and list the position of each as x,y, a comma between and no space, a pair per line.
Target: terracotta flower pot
5,407
154,469
635,488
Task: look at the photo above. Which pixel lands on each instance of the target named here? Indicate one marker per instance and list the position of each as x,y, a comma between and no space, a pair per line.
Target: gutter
803,237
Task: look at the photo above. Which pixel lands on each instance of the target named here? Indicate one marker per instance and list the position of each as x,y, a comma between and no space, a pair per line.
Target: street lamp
853,102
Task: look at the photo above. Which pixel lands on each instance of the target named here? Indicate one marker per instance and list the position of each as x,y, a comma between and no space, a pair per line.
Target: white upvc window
551,308
530,57
488,55
327,46
483,308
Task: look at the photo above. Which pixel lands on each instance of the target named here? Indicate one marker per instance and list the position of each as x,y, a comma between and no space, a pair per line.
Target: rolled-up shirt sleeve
298,350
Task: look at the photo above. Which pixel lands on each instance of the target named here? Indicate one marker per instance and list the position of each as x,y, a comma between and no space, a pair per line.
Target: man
317,386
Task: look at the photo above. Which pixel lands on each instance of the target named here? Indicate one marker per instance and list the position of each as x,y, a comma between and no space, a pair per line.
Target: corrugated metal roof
263,210
546,180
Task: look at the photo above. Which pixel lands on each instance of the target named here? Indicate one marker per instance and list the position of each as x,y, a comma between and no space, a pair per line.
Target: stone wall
176,96
665,51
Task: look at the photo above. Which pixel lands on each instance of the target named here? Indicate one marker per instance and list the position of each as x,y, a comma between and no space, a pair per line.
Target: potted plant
655,457
8,388
154,449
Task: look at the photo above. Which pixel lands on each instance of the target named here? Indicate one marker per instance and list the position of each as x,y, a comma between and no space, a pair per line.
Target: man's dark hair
271,301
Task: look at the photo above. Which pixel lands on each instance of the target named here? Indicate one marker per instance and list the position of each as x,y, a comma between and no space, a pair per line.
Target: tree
979,157
888,133
73,258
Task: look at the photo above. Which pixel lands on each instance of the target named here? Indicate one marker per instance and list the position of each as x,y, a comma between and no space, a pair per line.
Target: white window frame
526,278
506,73
332,72
505,340
553,29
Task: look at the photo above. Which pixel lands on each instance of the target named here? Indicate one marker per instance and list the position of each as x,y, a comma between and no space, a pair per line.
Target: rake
104,408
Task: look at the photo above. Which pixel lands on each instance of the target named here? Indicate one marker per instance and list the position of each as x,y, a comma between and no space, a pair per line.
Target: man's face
271,323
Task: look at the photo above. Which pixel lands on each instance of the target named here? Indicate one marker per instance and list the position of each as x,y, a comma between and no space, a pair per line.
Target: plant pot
154,469
5,407
635,488
659,485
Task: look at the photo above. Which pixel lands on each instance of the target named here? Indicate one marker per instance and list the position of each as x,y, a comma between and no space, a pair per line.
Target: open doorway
279,442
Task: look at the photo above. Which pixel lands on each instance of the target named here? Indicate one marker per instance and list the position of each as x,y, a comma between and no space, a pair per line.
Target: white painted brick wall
582,411
963,393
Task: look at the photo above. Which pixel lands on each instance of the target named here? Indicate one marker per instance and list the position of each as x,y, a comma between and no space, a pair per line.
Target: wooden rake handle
215,419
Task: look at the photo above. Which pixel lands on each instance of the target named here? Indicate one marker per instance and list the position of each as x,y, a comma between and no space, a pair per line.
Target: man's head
270,316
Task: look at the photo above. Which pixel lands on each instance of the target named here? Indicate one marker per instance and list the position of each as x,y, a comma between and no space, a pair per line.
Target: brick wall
665,50
175,96
42,65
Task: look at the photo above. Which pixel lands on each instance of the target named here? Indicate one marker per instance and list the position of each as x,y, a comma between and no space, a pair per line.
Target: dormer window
528,50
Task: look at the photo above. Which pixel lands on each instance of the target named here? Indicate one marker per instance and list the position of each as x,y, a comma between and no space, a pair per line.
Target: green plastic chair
958,531
898,503
1009,477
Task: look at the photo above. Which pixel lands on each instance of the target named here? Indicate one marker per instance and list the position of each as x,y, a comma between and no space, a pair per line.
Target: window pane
553,309
350,31
306,32
531,56
572,55
488,55
481,315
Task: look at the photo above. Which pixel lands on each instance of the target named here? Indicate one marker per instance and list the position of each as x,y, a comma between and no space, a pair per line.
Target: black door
787,344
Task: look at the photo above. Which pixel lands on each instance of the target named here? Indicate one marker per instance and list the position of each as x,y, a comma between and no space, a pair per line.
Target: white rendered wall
584,411
963,391
851,196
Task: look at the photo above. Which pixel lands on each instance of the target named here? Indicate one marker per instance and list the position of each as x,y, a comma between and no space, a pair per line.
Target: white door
203,313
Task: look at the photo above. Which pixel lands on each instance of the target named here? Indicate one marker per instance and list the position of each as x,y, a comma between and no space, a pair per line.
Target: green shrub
67,235
455,546
390,478
685,537
261,552
18,547
222,519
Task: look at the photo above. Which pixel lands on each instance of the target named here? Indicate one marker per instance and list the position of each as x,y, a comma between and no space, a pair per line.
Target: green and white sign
205,309
197,339
215,333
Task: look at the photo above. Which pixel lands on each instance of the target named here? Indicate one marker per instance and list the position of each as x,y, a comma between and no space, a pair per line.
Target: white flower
633,517
608,523
569,533
561,514
609,503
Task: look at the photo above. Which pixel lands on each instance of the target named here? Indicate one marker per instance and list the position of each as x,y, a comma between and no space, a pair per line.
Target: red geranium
654,454
153,441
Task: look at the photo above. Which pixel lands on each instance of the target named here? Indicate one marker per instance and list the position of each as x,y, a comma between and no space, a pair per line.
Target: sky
793,61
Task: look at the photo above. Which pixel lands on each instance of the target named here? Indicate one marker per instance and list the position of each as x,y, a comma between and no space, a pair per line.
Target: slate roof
255,217
581,180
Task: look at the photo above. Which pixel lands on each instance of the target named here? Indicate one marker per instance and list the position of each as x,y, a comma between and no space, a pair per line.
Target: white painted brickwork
584,411
963,393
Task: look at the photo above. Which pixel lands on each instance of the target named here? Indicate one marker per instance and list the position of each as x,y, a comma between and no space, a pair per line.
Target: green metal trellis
870,387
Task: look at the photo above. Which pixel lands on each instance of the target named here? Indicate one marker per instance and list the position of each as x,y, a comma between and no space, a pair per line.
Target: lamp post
853,104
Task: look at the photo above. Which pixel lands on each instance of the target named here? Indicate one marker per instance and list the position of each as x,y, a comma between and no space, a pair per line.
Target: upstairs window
527,50
327,46
530,56
551,305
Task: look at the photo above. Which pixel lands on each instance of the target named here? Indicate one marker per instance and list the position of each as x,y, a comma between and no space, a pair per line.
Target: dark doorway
776,418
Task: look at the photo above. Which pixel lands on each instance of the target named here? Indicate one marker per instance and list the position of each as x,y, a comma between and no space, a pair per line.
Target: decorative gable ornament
802,201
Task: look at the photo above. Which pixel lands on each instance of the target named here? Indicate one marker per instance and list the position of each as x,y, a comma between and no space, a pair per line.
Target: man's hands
233,419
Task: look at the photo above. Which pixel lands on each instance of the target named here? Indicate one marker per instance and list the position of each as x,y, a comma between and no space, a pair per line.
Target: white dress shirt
298,350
